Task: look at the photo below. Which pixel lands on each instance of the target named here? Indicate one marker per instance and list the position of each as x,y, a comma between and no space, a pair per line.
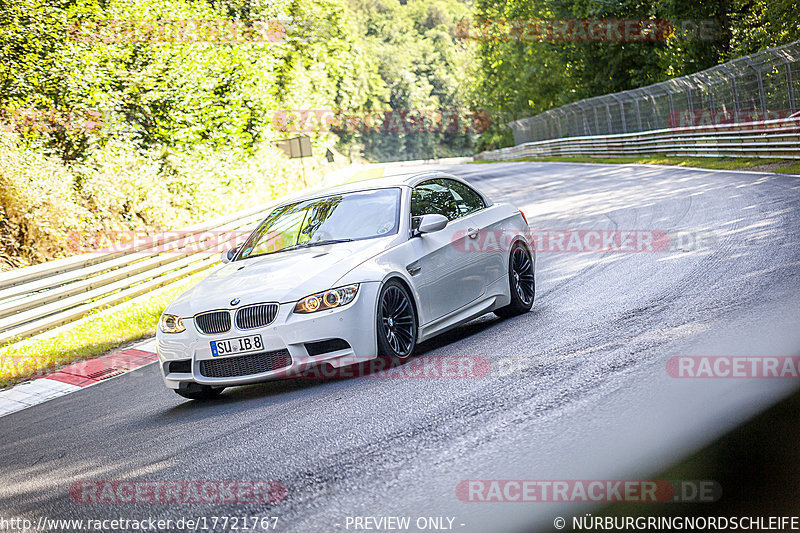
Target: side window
434,197
467,200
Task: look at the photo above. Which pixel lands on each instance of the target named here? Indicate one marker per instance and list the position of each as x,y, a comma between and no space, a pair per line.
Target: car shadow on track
474,327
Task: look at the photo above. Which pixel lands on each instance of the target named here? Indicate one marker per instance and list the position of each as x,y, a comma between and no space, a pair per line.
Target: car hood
279,277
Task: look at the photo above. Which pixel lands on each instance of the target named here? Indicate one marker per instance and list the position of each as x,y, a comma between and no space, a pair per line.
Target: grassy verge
91,336
717,163
792,168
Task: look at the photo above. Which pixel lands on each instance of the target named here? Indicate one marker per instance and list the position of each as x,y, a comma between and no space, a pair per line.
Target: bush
51,209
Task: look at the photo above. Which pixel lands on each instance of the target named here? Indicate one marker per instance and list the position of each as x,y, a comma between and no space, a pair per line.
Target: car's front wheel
397,321
195,391
521,282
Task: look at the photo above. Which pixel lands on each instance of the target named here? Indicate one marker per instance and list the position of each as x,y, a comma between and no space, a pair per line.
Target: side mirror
228,255
430,223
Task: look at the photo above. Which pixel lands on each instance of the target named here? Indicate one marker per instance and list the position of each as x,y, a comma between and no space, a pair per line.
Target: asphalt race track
578,388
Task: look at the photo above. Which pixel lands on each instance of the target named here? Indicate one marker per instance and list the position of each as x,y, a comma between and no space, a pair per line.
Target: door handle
472,233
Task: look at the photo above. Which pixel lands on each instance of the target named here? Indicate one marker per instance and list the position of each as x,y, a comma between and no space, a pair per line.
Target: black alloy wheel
397,321
521,281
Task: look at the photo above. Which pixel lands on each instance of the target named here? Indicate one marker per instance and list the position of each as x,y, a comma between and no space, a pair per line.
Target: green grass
91,336
794,168
718,163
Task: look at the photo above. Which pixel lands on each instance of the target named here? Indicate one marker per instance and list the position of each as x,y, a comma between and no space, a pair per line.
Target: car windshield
328,219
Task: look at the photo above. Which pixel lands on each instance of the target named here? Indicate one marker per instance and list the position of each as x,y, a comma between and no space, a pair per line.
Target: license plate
238,346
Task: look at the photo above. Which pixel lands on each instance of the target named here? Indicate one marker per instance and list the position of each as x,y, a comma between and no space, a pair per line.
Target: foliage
422,66
113,122
518,77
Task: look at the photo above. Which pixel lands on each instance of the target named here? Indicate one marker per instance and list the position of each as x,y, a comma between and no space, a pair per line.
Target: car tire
522,284
196,391
396,321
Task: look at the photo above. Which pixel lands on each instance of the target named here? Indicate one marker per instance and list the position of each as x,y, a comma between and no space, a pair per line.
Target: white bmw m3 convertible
344,275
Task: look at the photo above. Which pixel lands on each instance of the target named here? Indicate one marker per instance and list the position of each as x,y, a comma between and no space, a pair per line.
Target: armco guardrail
45,296
778,139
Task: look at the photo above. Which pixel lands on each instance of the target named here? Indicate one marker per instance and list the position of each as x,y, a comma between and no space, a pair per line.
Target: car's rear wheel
521,281
195,391
397,321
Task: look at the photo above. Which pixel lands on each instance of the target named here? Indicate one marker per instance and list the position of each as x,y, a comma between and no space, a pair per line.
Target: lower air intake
245,365
330,345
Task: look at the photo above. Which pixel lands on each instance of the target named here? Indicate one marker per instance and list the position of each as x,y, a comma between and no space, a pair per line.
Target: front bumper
354,323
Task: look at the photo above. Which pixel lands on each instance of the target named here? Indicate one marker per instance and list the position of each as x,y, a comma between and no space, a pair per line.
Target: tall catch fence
763,86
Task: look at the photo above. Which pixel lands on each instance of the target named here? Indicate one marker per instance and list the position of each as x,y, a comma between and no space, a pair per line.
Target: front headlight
171,324
327,300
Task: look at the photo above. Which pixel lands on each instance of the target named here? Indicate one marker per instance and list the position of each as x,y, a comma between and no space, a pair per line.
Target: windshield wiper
321,243
296,246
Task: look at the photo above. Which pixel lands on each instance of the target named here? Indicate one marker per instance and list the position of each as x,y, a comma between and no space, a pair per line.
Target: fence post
671,107
582,125
638,114
621,112
733,86
558,118
702,77
788,65
575,116
760,86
